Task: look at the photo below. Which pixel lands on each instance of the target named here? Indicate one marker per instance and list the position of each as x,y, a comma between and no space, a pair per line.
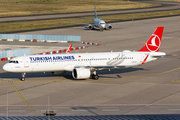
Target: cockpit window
13,61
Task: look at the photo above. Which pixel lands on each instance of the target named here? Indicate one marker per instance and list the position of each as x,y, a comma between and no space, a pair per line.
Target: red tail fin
153,44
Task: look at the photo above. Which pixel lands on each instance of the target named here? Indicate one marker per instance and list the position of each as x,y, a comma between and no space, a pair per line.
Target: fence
13,53
40,37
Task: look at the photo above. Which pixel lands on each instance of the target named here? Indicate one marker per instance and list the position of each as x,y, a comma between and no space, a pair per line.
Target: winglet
69,49
95,10
153,44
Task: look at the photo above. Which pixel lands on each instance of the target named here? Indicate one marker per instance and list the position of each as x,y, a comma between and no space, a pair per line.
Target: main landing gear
101,30
95,76
23,77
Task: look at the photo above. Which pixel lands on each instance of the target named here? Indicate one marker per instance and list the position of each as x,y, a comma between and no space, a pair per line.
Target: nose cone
103,26
6,67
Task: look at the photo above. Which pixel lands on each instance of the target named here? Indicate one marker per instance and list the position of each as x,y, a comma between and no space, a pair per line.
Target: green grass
35,7
31,25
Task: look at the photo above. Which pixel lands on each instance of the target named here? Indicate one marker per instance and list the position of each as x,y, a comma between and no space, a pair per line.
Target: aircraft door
26,62
80,60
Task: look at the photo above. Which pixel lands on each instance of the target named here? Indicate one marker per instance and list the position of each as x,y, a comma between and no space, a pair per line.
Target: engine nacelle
90,26
81,73
110,26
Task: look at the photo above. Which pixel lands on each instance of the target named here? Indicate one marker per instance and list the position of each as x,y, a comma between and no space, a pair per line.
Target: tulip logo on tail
154,43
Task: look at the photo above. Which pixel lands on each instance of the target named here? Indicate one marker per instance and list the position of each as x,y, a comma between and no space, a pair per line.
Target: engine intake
81,73
110,26
90,26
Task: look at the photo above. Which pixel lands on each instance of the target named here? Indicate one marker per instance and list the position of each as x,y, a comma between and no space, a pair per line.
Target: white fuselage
99,23
67,62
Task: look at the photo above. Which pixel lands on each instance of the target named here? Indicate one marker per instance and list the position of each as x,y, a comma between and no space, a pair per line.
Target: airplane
85,65
98,22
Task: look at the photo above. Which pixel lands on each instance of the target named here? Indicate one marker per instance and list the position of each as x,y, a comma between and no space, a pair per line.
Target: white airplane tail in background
153,44
95,11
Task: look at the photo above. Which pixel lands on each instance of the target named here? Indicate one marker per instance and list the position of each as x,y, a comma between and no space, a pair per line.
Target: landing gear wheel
23,79
96,77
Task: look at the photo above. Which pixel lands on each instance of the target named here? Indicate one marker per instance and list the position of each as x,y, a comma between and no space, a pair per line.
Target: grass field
32,25
35,7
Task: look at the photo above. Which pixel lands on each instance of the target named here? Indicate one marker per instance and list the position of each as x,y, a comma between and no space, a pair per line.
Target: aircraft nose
6,67
103,26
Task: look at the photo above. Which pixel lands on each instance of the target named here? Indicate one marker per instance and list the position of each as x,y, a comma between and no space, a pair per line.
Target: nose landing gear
23,77
101,29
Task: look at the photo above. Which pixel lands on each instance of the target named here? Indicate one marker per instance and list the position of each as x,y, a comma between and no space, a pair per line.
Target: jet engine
90,26
110,26
81,73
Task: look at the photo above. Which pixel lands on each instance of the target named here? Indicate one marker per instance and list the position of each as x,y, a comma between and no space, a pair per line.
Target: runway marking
47,110
17,110
47,80
175,80
6,81
23,98
78,110
110,109
61,107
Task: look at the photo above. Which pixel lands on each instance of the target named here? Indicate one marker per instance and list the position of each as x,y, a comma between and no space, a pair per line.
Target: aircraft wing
103,18
76,23
119,23
103,67
87,18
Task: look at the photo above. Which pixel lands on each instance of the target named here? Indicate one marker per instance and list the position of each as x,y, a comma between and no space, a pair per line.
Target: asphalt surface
149,89
165,6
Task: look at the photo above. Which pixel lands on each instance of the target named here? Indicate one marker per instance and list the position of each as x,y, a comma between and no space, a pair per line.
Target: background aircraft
98,22
85,65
